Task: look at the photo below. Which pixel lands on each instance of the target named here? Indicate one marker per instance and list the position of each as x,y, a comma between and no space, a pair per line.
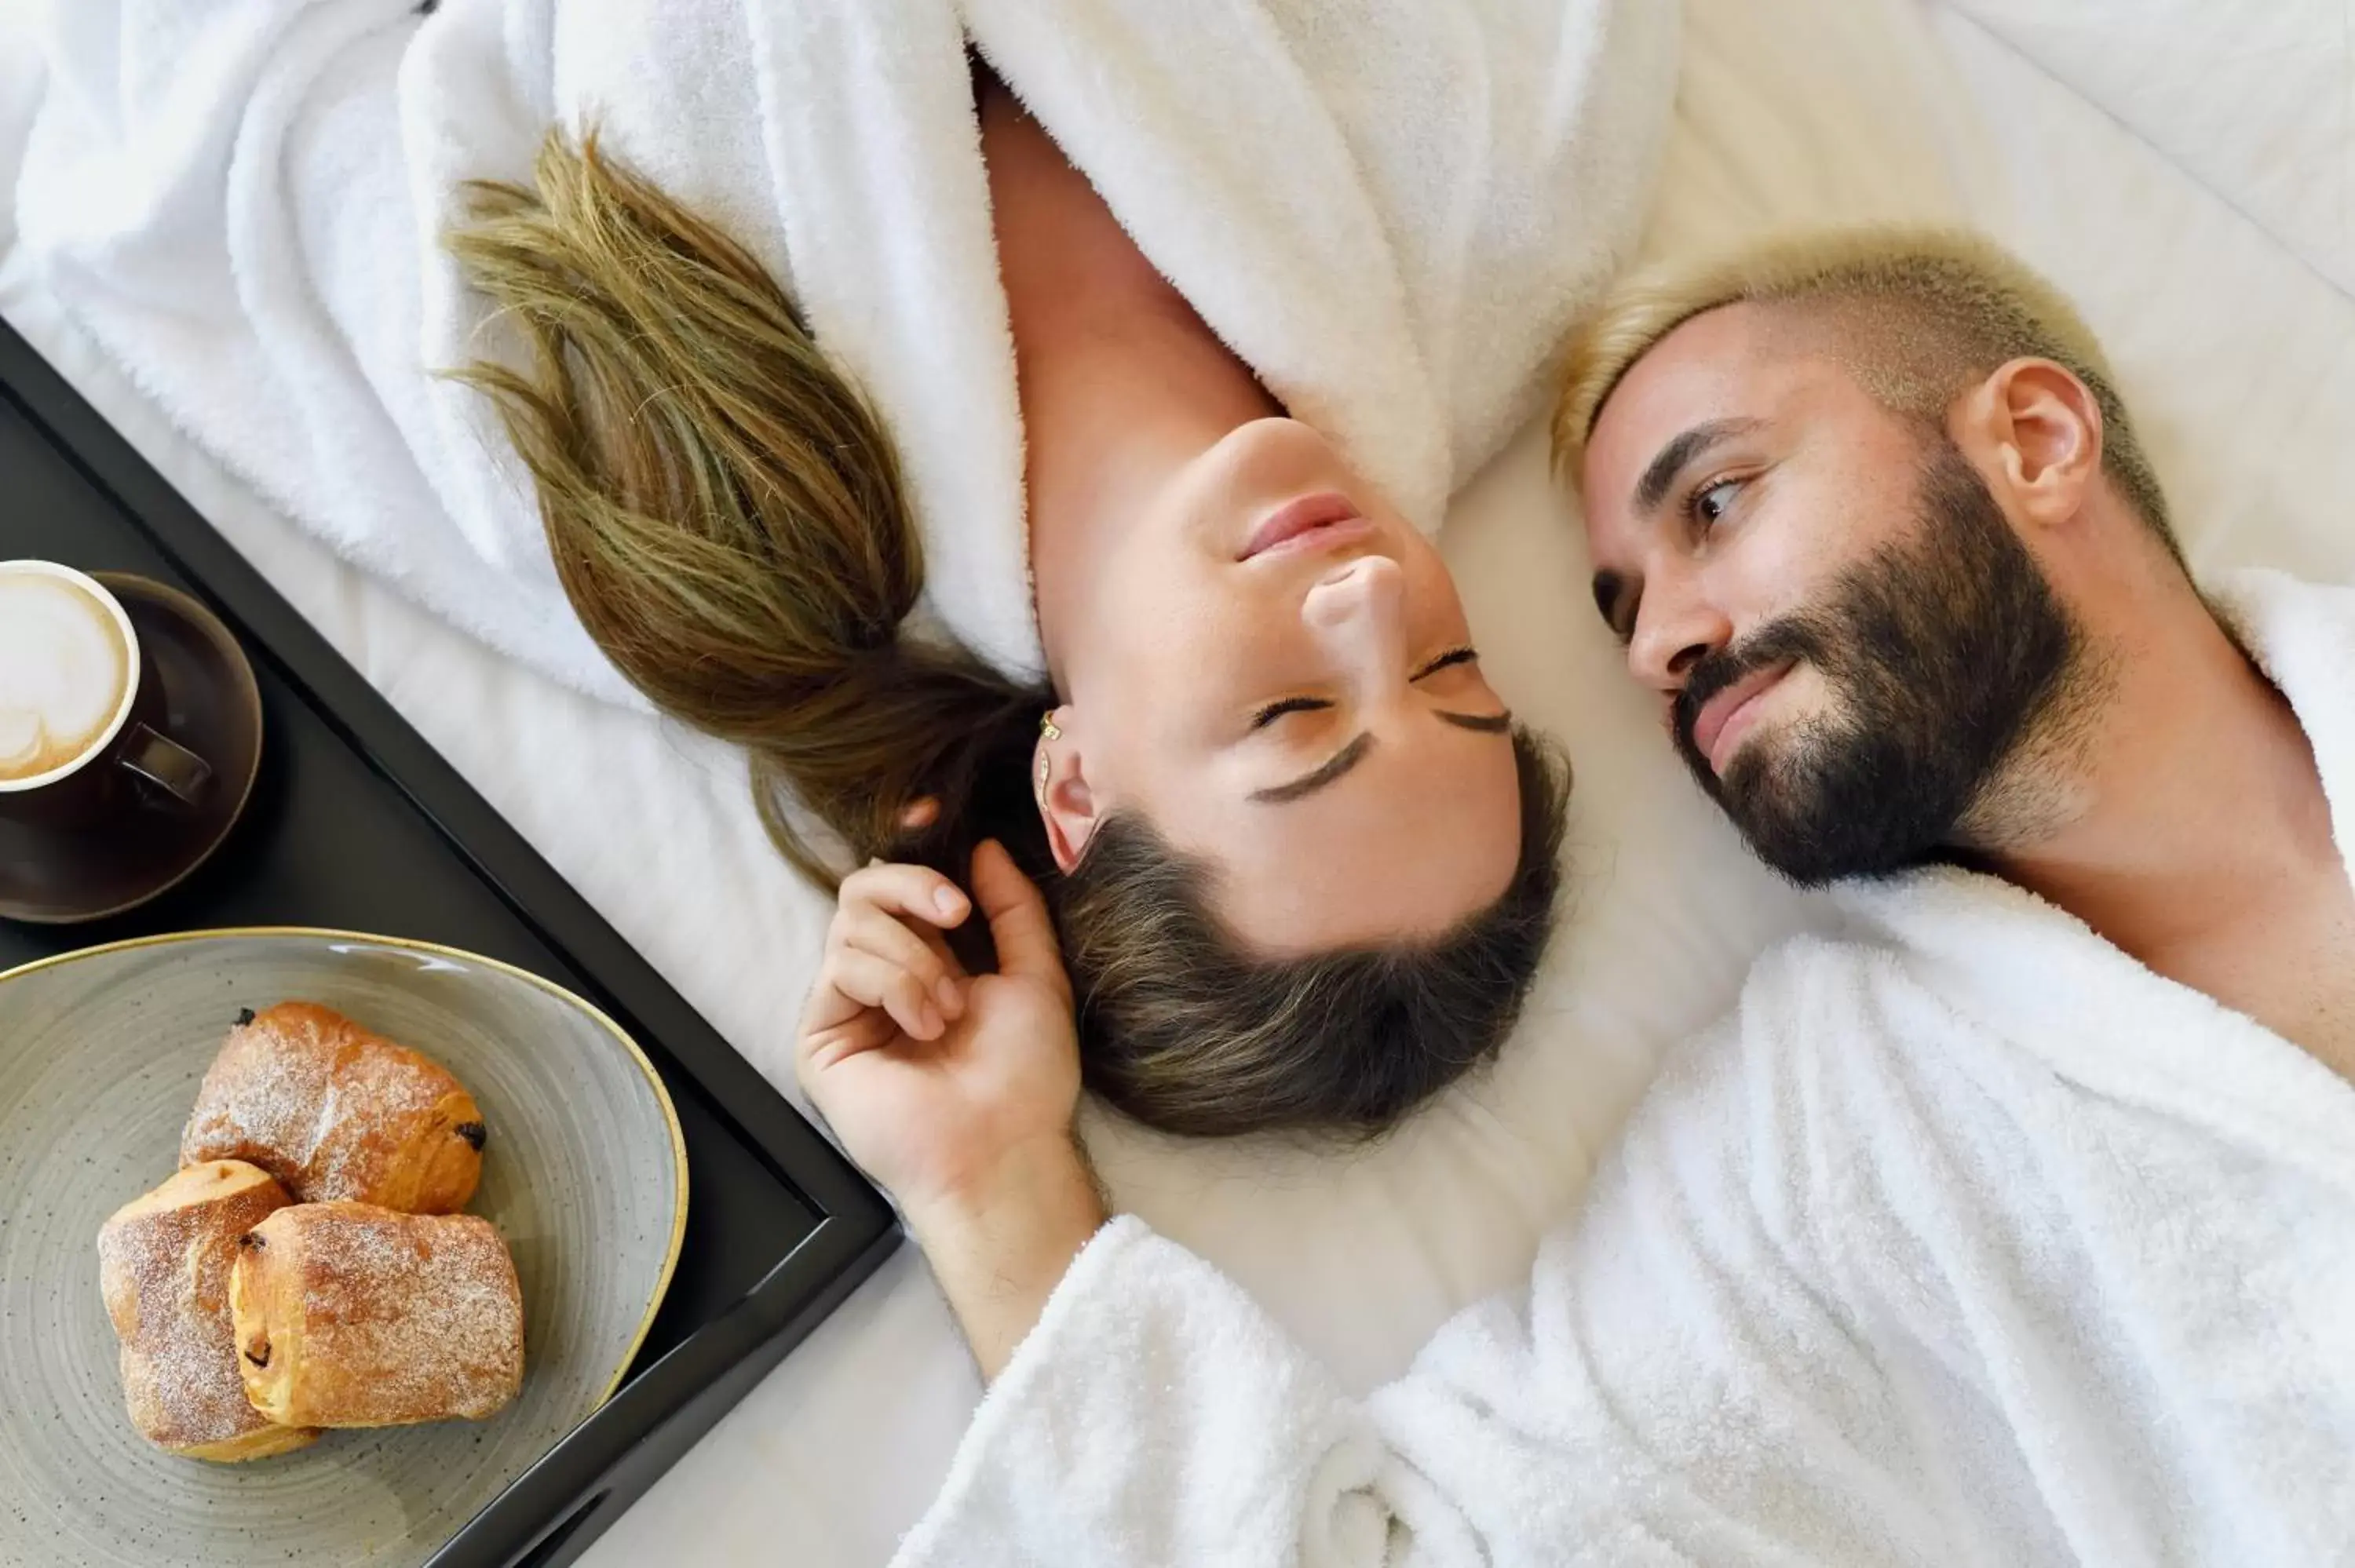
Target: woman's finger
868,1030
917,892
941,950
826,1007
874,982
1019,922
869,930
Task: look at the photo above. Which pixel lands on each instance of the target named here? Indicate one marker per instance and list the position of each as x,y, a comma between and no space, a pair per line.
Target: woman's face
1273,669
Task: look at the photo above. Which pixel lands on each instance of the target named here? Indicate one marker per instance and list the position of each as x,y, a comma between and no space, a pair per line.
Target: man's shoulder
1816,988
1816,1009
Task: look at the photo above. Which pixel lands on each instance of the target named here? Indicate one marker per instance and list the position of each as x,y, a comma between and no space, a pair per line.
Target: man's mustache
1795,639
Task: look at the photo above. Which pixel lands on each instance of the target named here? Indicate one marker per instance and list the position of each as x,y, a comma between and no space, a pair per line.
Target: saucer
212,706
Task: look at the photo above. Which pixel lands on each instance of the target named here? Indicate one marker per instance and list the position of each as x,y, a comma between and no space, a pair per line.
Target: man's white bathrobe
1967,1240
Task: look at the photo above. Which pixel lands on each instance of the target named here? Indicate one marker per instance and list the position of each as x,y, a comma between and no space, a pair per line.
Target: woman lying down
1007,420
2013,1224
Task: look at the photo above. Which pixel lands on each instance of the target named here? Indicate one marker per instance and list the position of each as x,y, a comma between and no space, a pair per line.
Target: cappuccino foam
63,668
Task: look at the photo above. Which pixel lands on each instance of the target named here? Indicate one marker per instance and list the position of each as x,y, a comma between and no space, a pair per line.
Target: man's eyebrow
1349,756
1673,459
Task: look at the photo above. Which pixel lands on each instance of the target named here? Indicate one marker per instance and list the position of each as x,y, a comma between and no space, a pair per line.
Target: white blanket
1966,1240
1389,211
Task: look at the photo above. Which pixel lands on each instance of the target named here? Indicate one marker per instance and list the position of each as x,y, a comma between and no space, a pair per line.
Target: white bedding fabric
2236,348
1965,1240
242,203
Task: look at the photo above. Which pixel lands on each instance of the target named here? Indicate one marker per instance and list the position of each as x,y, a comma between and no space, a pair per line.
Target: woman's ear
1059,781
2041,428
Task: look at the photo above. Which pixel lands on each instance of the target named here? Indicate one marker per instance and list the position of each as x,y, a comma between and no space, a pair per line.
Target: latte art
64,665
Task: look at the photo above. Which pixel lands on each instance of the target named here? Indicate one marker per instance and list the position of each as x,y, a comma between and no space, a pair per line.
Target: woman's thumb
1018,923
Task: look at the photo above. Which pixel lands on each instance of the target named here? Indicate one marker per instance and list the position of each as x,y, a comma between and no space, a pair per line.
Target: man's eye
1274,711
1713,504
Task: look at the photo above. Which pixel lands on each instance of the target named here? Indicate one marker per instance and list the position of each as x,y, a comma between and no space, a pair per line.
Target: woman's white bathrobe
1389,208
1967,1241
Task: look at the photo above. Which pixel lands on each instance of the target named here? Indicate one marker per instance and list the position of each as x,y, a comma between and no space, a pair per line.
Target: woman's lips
1309,523
1726,718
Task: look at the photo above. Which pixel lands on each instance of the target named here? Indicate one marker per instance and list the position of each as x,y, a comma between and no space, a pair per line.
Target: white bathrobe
1391,209
1967,1240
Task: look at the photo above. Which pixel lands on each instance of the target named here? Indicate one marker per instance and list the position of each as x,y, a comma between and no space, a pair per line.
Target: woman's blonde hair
726,514
1916,311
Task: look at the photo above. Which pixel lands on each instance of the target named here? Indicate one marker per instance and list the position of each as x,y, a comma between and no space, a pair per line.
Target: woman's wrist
1001,1243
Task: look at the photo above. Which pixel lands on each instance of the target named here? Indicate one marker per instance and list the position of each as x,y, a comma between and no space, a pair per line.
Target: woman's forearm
1000,1249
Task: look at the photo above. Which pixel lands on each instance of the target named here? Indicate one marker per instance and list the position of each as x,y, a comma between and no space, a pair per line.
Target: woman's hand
957,1091
930,1076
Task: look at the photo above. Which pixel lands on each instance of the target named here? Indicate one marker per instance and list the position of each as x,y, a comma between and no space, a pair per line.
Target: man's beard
1940,655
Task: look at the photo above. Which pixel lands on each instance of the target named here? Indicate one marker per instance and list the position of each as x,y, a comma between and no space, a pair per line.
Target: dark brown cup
133,767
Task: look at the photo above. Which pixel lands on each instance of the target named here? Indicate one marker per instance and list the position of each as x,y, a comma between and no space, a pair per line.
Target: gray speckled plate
101,1051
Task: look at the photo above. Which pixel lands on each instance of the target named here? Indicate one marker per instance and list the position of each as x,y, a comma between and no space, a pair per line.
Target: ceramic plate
101,1052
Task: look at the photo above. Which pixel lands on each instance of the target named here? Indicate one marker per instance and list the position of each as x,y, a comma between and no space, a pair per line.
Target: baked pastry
337,1113
348,1315
164,1264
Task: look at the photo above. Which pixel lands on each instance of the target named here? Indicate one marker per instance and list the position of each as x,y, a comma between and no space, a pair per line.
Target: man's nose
1674,632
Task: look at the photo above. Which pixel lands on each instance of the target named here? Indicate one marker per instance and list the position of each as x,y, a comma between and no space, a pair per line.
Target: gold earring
1047,730
1046,769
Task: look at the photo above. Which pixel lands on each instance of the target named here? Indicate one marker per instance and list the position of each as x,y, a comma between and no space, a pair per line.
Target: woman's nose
1361,595
1358,610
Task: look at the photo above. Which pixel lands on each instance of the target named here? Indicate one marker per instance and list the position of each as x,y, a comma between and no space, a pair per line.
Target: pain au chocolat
349,1315
337,1114
164,1266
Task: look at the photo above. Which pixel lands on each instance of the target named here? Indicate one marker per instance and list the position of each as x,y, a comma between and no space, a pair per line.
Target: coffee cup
82,710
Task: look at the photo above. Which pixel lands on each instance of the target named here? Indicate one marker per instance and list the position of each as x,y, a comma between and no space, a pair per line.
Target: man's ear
2040,428
1059,781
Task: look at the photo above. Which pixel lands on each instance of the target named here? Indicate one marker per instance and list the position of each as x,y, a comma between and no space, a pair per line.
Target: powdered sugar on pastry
337,1113
348,1315
165,1261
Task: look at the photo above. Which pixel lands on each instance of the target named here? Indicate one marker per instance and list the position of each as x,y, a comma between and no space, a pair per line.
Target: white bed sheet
2209,277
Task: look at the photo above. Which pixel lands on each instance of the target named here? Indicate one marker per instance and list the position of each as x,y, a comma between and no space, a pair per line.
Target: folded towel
1388,209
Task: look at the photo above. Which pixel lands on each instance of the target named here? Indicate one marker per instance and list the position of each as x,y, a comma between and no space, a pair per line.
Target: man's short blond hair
1917,313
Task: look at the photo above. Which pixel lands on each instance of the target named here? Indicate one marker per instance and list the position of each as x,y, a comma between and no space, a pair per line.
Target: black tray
356,822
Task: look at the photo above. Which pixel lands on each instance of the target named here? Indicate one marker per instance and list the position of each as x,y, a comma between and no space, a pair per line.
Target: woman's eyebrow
1349,756
1486,724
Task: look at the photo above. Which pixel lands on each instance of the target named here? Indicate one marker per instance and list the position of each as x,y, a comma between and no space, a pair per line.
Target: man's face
1849,637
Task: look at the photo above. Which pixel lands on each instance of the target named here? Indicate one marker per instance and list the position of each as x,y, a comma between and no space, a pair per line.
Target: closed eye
1276,710
1454,656
1433,666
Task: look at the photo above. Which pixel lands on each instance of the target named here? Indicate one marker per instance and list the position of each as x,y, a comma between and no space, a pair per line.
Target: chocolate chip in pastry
337,1114
165,1262
349,1315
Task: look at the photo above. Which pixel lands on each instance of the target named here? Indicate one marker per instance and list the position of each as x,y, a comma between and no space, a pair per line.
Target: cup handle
167,765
